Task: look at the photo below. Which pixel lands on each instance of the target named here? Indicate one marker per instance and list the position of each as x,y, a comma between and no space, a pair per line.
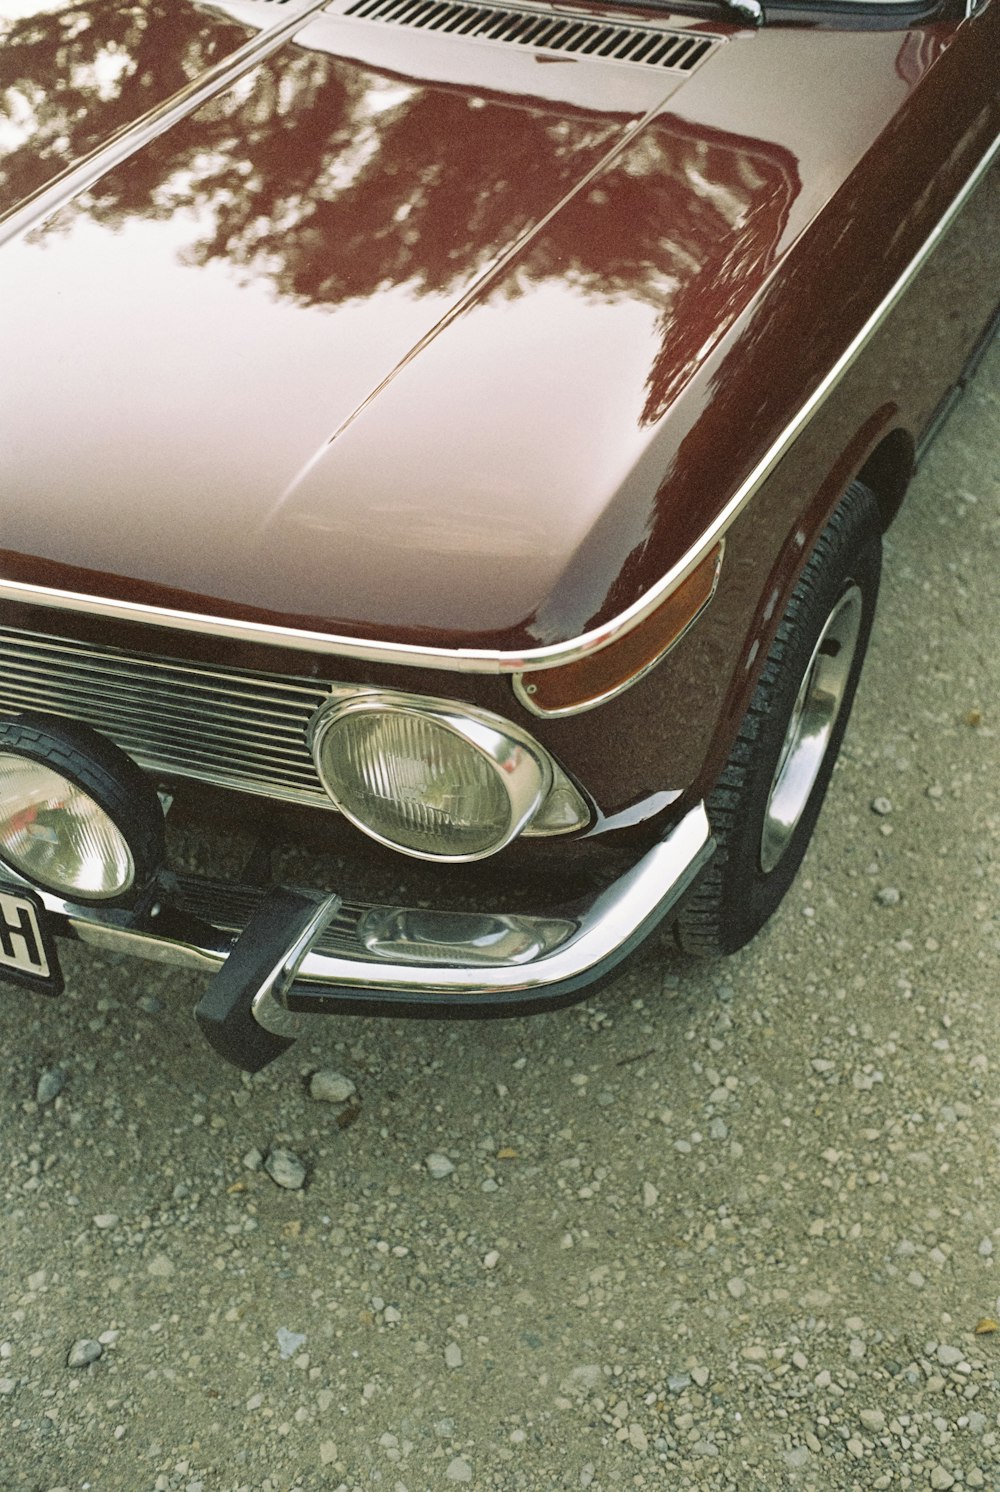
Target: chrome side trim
524,691
110,153
183,929
490,661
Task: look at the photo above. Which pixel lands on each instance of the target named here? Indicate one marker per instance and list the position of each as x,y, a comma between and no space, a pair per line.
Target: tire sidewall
847,553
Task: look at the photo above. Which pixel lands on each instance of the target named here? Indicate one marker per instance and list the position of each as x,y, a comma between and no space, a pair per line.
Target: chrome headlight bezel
522,767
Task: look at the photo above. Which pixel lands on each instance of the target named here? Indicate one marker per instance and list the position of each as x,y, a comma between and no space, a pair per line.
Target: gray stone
331,1087
50,1085
439,1165
84,1352
285,1169
289,1342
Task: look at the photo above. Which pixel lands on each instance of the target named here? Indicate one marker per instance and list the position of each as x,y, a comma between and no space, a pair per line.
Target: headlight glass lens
409,780
54,834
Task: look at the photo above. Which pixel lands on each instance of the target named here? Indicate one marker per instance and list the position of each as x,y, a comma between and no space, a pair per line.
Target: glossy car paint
425,340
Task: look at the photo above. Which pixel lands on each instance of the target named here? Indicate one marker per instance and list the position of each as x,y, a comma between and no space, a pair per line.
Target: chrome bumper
353,958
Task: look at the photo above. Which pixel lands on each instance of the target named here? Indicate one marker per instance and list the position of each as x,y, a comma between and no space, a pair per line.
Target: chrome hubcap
807,739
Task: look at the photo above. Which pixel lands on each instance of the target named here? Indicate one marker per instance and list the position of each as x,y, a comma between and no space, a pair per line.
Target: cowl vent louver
570,35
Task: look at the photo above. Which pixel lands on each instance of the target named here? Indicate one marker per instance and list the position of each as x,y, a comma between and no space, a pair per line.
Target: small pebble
106,1220
285,1169
889,896
881,806
50,1085
453,1355
439,1165
331,1087
83,1353
459,1470
289,1342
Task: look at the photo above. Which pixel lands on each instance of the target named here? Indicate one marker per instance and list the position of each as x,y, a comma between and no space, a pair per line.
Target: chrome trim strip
606,930
524,692
484,660
110,153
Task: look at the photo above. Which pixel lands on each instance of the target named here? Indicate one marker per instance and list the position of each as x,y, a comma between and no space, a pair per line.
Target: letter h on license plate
27,955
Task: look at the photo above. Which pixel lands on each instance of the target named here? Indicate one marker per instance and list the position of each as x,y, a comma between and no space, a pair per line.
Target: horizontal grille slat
191,676
228,727
542,30
169,711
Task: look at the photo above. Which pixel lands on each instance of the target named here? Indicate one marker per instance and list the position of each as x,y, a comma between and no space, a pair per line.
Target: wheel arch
887,471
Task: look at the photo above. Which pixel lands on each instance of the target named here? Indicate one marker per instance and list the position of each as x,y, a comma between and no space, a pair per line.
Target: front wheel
767,800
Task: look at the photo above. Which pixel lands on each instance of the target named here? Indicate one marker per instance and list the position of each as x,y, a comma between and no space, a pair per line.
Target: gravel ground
730,1225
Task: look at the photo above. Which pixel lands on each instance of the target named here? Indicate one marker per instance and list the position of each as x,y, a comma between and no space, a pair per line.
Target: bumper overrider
281,953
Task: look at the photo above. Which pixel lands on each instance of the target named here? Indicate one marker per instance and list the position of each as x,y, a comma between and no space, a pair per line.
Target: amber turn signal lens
604,673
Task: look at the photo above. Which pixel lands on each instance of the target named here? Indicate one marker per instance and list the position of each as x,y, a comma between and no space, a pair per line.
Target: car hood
395,335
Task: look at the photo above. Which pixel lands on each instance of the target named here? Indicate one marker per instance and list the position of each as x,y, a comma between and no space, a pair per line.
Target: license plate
27,949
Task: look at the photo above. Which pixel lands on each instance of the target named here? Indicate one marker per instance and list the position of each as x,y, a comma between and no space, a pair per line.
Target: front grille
223,726
544,30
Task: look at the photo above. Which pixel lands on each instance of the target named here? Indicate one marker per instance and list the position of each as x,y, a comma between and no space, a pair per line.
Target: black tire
766,802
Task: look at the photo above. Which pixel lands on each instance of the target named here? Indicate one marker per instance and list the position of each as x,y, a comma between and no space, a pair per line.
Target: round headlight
76,814
436,780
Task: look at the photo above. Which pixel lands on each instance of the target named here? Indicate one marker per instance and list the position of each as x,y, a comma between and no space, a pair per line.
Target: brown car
443,431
